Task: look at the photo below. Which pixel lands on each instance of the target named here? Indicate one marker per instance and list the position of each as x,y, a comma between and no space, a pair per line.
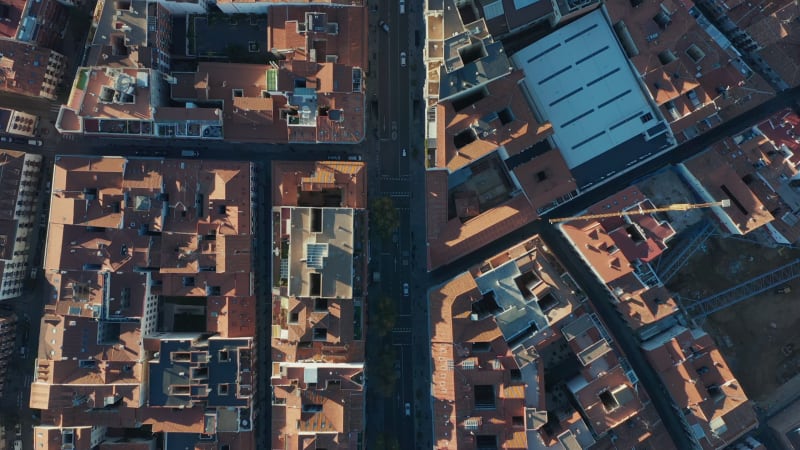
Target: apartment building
262,6
520,361
121,101
131,33
767,30
317,405
693,73
313,94
619,250
28,69
319,280
757,170
8,339
39,23
490,167
17,122
150,314
19,181
709,400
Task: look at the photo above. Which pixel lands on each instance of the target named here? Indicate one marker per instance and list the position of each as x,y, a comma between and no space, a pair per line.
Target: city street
396,170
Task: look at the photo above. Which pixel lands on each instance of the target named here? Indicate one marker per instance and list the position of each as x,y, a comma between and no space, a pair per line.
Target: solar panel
315,254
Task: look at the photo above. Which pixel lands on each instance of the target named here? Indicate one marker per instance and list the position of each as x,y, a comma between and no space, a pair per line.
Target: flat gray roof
324,254
581,81
518,313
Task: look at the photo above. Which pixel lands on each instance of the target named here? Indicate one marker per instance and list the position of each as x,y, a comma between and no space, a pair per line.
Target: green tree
384,216
386,313
388,374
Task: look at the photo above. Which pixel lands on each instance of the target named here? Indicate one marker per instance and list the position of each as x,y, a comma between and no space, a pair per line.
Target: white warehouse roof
581,81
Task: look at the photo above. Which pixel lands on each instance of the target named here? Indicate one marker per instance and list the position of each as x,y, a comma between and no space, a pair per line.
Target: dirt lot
666,188
758,336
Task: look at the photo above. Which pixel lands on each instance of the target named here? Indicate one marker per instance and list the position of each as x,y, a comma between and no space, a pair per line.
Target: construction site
743,290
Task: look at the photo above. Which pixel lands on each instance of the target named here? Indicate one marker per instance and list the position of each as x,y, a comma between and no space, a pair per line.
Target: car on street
404,152
354,157
36,142
384,25
5,139
190,153
402,59
405,289
408,409
402,6
334,157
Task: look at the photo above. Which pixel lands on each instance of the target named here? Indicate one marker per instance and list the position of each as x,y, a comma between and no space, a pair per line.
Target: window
472,424
320,304
294,317
486,442
609,402
320,334
238,92
484,396
518,421
647,117
222,389
224,356
478,347
541,175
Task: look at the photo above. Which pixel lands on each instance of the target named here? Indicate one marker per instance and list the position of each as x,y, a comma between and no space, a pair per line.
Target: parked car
408,409
405,289
384,25
402,59
5,139
36,142
784,290
190,153
354,157
402,6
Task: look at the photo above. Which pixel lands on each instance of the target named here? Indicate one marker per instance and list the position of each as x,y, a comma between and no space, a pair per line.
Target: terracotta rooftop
606,394
110,218
30,70
12,15
453,335
294,179
295,325
614,246
317,404
469,327
319,31
719,181
702,385
501,117
320,2
686,66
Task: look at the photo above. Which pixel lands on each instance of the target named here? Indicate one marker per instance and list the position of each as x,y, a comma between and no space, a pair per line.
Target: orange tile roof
451,332
702,384
291,178
87,356
746,212
28,69
517,135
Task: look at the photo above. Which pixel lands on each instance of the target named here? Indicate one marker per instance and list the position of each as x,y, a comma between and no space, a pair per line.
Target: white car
408,409
404,152
405,289
402,59
5,139
36,142
402,6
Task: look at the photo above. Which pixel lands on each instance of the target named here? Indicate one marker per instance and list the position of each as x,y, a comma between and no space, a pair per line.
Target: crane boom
634,212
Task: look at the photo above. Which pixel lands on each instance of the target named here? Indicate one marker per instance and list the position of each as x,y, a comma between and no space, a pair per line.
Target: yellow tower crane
635,212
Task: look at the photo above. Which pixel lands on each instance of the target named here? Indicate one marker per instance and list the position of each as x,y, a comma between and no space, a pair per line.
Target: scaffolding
700,309
670,264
